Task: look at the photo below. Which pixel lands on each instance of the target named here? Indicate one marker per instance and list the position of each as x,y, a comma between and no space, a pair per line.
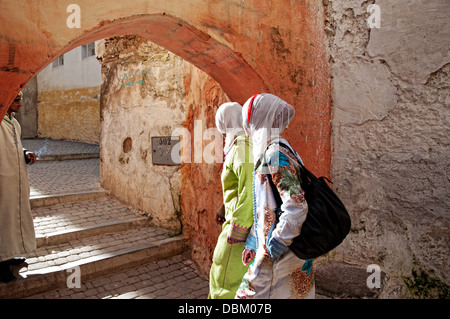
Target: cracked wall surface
390,135
148,91
142,96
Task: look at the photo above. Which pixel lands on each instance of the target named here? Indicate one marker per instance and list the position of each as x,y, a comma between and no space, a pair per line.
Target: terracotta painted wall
201,193
246,47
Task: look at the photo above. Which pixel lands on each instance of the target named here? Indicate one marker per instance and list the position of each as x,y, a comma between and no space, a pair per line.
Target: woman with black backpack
276,271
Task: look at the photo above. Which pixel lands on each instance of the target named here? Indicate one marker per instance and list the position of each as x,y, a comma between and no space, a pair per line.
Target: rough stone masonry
390,139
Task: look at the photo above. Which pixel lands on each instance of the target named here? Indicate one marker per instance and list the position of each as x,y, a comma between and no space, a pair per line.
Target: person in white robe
17,235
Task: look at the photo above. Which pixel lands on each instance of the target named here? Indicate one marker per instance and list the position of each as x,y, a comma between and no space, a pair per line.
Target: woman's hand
220,215
247,256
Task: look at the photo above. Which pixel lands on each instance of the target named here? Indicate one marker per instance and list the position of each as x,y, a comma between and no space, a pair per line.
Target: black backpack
327,222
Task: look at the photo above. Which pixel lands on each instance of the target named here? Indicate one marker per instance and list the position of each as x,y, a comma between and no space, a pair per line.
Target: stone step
56,178
57,255
49,200
99,262
63,236
176,277
67,157
97,235
82,214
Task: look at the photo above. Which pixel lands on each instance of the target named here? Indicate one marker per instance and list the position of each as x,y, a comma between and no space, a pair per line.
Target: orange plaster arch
224,65
246,46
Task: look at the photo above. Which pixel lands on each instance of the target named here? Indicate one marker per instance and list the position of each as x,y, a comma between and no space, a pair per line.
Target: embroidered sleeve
285,177
237,233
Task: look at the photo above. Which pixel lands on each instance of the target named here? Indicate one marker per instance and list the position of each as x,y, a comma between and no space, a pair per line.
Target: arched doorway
245,47
224,65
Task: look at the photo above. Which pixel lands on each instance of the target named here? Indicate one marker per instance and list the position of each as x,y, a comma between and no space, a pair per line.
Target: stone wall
390,139
146,92
27,115
246,46
389,160
69,114
201,194
131,113
69,99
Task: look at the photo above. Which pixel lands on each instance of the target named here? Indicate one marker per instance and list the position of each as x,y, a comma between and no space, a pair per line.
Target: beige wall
146,92
143,96
390,160
69,114
69,99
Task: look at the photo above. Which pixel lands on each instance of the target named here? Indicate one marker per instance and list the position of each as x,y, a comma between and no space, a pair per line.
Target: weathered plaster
247,47
142,96
69,114
390,135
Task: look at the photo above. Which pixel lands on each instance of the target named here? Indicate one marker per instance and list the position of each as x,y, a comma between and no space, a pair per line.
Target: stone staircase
82,230
88,234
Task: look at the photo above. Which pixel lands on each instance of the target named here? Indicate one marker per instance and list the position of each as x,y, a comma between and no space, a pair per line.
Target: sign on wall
163,152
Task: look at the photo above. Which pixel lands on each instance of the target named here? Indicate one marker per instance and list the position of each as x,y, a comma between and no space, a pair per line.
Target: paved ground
47,147
51,177
172,278
57,218
175,277
63,177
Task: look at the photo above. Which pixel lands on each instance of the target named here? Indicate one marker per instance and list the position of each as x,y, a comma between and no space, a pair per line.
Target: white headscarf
265,116
229,122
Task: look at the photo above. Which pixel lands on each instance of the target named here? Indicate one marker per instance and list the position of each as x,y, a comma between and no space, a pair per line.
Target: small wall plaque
162,147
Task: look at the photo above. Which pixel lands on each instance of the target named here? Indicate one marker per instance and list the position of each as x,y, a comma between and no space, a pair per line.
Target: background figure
276,271
17,234
227,269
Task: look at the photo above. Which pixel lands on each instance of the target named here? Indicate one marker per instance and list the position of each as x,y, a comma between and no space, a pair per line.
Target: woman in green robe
227,269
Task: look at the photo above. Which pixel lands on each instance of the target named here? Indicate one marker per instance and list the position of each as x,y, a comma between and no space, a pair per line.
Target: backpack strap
277,196
304,170
275,192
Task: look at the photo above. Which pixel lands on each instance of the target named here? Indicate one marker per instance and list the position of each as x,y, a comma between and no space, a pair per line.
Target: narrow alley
82,231
130,211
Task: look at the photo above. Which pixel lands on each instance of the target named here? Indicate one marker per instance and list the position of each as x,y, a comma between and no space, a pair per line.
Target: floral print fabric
276,272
